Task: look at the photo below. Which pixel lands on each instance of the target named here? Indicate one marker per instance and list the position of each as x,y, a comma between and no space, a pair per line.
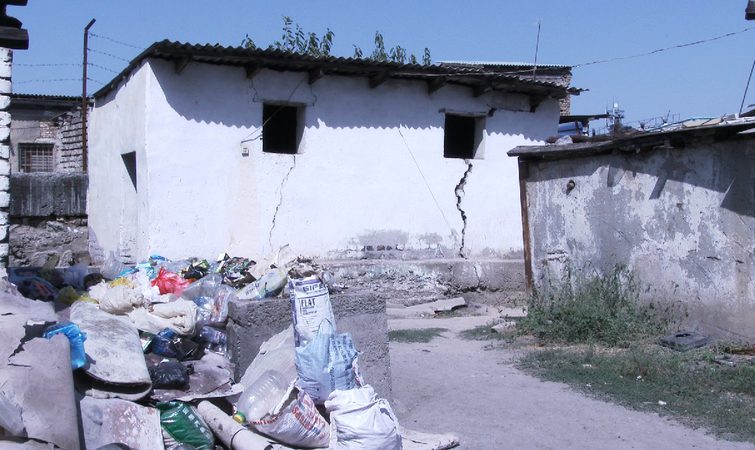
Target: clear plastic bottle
267,286
261,397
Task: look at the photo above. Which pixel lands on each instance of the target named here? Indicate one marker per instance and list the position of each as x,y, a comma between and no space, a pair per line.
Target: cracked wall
682,220
370,179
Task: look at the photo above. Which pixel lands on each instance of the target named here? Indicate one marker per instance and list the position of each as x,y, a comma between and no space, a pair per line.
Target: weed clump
602,309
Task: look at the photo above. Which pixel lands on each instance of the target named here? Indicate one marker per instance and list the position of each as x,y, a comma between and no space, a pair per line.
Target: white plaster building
198,150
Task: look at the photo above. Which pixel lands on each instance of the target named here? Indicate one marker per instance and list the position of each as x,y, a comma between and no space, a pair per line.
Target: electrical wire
664,49
416,164
49,80
47,65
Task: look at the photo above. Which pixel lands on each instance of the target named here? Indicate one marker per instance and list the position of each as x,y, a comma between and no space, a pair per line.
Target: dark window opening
280,129
129,160
460,139
35,158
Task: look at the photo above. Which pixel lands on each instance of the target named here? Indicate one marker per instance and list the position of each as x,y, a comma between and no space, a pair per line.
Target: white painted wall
353,184
118,214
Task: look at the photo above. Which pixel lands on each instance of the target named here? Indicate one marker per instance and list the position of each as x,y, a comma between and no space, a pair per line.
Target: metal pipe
84,99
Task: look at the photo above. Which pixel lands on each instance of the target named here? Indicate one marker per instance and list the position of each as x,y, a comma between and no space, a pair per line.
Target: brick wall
70,143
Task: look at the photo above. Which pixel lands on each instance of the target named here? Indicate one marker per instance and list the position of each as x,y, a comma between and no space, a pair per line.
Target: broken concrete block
116,421
513,313
503,327
115,366
428,309
684,340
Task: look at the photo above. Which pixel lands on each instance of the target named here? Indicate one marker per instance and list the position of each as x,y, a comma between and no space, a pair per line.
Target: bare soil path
456,385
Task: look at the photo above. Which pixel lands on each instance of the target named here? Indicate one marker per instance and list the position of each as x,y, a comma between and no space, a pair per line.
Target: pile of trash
143,352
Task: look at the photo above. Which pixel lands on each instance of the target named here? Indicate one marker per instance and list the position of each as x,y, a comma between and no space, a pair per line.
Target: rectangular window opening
34,157
281,128
462,136
129,161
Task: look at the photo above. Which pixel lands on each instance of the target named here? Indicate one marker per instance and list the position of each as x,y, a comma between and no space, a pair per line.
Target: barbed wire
100,52
115,41
103,68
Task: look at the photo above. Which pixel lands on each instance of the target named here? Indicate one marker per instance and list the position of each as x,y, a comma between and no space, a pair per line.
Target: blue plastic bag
76,339
327,363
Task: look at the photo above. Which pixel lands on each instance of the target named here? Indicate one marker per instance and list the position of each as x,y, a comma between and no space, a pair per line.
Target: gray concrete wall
253,322
682,220
48,194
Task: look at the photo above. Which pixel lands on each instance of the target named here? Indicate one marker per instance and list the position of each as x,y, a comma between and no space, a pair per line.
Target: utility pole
85,99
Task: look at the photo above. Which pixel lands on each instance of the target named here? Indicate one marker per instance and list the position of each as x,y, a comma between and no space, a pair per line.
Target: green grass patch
599,308
688,386
423,335
485,333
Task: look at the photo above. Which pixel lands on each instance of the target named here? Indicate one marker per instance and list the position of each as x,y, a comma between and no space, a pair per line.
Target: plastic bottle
261,397
76,339
267,286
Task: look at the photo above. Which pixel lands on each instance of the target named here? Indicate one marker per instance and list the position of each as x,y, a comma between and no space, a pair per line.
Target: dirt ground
459,386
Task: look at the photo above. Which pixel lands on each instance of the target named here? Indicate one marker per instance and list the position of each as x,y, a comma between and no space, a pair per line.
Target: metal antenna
747,87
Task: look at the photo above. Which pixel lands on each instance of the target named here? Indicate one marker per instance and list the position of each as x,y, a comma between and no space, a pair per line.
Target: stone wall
6,62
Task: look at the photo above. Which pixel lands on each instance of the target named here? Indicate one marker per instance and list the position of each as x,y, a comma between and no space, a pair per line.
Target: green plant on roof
295,40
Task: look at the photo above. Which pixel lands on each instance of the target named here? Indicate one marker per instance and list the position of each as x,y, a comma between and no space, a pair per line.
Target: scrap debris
138,357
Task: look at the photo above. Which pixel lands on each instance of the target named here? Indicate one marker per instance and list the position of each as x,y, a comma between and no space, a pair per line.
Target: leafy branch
295,40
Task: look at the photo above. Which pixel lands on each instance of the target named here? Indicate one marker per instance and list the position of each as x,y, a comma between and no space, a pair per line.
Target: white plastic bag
310,305
118,299
298,423
360,420
327,363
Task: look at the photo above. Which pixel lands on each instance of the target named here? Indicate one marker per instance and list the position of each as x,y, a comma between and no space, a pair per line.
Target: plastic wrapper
196,270
214,339
270,285
169,374
169,344
169,282
327,363
182,424
235,271
211,297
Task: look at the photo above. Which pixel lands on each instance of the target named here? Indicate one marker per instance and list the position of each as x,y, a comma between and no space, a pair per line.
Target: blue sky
702,80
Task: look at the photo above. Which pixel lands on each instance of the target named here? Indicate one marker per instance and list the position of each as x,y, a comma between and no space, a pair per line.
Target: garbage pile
143,348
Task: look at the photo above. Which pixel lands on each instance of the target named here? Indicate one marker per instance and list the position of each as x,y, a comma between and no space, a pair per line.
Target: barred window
35,157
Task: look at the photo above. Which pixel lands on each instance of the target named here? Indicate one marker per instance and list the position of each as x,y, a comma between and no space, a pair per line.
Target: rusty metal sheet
116,421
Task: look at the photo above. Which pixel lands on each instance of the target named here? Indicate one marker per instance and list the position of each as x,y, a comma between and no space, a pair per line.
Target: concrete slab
109,421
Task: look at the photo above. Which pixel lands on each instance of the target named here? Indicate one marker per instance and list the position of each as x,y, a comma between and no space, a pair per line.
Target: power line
659,50
115,41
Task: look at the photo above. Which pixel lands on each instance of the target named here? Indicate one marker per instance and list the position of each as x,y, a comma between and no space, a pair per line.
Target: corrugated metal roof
255,59
635,142
506,64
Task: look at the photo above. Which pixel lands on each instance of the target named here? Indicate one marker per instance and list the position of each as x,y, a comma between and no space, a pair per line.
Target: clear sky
702,80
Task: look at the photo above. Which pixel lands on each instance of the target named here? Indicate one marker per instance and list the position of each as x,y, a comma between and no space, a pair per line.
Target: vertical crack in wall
280,202
459,191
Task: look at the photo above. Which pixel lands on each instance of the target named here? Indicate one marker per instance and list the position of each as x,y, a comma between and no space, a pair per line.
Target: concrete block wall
251,323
